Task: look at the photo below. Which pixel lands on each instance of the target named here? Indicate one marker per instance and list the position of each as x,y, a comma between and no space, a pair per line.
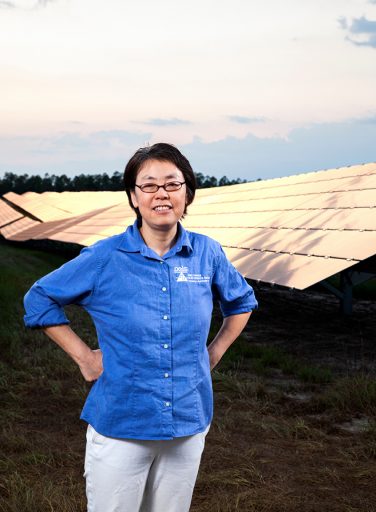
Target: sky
247,89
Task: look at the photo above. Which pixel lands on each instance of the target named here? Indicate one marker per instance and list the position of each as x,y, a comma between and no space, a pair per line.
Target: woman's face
161,209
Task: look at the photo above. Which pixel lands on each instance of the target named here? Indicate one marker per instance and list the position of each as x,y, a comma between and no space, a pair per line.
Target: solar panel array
293,231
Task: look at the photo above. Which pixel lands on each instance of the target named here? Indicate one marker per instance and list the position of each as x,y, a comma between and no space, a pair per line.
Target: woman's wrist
84,356
71,343
215,354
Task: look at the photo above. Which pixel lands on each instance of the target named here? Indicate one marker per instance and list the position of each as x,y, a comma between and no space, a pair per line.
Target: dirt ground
277,443
309,325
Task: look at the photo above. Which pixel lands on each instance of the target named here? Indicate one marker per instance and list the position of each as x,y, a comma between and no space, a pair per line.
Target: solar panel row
293,231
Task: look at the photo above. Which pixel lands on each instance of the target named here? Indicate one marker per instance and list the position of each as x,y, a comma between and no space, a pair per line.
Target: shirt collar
132,241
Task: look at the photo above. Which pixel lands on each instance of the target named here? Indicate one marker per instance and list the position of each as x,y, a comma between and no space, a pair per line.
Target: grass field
295,407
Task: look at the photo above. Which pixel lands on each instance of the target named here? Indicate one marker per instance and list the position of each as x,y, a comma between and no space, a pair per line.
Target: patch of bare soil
309,325
278,444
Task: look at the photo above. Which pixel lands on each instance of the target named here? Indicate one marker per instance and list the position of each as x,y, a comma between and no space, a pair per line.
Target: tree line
21,183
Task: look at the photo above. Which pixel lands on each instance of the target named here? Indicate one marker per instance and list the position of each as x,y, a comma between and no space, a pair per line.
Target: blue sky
248,89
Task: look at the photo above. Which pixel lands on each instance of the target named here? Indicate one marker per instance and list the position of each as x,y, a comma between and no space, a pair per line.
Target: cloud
172,121
246,120
367,120
24,4
361,31
315,147
70,152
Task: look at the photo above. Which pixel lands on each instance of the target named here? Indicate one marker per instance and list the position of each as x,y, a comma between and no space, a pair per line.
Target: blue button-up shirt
152,316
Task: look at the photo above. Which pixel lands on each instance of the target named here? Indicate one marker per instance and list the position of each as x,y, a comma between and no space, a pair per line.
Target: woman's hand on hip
92,367
89,361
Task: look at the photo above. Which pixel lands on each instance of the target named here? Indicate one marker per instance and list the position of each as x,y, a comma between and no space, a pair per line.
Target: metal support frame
346,286
348,279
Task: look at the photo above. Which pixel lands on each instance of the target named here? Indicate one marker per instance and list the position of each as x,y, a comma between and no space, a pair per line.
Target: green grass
348,394
366,290
264,358
264,452
15,279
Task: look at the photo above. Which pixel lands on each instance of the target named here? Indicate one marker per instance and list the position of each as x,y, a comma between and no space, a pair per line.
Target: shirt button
165,345
166,375
167,404
164,289
165,317
161,262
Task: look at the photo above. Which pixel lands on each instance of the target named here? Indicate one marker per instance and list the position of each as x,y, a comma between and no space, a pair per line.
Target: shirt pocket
95,438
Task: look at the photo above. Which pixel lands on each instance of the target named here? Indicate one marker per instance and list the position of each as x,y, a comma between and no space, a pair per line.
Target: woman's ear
134,199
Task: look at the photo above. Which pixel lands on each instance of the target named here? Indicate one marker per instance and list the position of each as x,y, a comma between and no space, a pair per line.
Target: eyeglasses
151,188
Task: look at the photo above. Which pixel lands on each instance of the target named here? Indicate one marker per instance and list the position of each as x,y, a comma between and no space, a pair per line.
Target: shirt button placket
166,351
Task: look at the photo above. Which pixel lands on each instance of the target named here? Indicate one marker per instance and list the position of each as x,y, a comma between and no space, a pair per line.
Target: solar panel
293,231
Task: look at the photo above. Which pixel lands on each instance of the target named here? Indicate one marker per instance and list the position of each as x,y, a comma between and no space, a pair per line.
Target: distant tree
105,182
35,183
47,183
117,181
96,182
20,183
199,179
7,183
62,183
209,181
223,181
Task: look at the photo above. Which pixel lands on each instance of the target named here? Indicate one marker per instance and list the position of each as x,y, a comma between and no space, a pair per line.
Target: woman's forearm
232,326
89,361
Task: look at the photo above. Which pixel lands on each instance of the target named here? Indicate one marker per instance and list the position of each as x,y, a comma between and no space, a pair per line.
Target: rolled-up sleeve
72,283
235,295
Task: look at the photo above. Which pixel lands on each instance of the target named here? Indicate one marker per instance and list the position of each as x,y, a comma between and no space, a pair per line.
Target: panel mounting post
346,285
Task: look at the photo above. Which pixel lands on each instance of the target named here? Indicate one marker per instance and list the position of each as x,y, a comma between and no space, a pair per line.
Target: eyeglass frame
181,183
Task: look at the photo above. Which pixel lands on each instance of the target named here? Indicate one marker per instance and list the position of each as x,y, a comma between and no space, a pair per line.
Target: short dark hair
162,152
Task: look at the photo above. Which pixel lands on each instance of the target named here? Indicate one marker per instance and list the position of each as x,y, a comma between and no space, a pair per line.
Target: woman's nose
161,193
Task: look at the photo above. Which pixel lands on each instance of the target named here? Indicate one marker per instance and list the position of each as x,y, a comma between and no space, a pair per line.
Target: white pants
131,475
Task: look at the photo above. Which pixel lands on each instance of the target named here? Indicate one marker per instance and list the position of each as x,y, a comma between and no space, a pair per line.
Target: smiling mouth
161,208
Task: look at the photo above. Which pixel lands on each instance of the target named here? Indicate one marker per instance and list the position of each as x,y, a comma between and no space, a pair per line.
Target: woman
150,293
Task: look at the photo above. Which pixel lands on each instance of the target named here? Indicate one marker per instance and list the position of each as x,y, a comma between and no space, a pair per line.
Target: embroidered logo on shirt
182,275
